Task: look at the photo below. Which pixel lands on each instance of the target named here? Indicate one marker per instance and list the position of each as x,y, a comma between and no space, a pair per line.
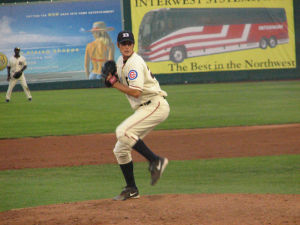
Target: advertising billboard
214,35
60,40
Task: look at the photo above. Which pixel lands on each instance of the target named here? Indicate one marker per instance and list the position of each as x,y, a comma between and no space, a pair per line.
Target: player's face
17,52
126,48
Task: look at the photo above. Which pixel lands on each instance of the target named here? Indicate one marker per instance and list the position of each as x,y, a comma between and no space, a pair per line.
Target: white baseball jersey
135,74
16,64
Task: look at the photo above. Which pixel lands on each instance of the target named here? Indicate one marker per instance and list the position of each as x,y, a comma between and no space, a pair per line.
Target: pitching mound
214,209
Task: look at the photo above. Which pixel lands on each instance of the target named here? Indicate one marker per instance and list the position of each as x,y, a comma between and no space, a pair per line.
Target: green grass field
72,112
33,187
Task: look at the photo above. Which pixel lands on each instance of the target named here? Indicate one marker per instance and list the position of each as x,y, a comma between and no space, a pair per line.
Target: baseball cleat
29,99
127,193
7,100
157,168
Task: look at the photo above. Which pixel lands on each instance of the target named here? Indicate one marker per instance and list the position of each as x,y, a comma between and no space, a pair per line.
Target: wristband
113,80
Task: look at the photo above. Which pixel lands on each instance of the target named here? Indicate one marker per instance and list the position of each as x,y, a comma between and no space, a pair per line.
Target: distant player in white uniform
17,63
150,108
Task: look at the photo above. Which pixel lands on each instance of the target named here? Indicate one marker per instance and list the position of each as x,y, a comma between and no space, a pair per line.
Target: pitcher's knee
122,157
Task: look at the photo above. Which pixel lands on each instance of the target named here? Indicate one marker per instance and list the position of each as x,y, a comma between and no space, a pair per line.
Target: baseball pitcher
131,76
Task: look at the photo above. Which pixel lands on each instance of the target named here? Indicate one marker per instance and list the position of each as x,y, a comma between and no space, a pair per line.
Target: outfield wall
197,77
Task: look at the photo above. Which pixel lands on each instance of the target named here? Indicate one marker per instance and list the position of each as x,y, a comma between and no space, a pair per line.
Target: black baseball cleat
128,193
29,99
7,100
157,168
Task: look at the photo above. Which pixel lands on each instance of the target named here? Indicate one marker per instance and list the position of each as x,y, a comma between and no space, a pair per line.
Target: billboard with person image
53,36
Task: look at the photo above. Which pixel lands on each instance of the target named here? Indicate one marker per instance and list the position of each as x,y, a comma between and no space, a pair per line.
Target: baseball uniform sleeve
135,77
9,63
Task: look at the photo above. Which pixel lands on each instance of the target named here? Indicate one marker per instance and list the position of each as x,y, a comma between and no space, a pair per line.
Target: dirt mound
213,209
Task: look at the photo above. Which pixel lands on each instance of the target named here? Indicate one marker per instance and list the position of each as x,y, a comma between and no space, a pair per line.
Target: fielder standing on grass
133,77
15,72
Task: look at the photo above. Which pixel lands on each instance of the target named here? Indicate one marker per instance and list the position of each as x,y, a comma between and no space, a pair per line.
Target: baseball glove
108,68
17,74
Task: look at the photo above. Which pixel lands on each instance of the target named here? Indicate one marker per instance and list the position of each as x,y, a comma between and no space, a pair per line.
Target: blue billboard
54,37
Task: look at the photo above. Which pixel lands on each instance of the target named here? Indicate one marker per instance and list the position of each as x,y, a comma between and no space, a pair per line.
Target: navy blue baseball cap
125,36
